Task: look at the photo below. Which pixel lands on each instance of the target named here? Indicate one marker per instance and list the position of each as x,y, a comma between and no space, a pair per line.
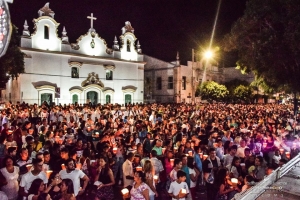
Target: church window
109,75
46,32
75,98
170,82
158,83
74,72
127,99
108,98
128,45
184,83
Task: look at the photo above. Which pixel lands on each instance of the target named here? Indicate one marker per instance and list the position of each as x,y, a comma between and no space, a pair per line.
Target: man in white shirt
229,157
179,189
75,175
158,167
128,170
31,175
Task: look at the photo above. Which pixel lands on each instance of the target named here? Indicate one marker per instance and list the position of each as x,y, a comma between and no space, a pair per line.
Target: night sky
163,27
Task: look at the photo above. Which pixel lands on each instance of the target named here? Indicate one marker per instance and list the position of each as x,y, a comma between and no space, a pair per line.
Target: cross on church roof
92,18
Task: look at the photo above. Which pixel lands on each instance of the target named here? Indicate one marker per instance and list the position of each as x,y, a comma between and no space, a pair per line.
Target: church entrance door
46,97
108,99
127,98
92,97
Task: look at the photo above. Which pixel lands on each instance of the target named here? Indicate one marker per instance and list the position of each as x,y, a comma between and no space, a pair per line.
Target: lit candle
190,153
155,177
139,168
63,166
234,182
125,191
264,144
172,162
205,156
183,191
163,150
115,149
48,173
288,155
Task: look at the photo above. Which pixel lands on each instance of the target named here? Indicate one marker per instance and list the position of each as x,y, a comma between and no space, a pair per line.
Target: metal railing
255,191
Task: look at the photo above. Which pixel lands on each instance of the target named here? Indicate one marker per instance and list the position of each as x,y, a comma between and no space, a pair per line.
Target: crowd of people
142,151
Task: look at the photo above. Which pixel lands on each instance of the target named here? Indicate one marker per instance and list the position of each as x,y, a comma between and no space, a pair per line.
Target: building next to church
85,71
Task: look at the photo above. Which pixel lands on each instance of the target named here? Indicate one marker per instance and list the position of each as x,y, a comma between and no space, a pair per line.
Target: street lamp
207,55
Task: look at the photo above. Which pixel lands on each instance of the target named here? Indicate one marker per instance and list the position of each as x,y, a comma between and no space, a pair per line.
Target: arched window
127,98
128,45
109,74
75,98
46,32
108,99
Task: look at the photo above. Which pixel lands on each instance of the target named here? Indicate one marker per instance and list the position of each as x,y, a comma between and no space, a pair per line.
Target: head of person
221,176
64,153
24,154
8,161
148,167
233,150
40,156
181,176
37,164
46,155
259,161
70,164
247,152
153,154
212,153
66,186
103,162
243,143
12,151
37,187
177,163
130,156
236,161
184,160
248,180
54,176
158,143
139,177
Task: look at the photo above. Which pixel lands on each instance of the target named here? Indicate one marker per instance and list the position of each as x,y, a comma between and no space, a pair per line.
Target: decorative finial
46,11
92,18
26,31
138,47
64,38
177,59
116,44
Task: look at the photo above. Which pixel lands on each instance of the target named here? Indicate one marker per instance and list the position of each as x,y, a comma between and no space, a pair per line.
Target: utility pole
192,81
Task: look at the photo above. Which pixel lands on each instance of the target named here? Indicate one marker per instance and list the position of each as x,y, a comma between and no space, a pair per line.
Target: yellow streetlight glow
208,54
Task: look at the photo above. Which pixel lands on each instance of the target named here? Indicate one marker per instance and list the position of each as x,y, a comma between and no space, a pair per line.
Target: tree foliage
243,92
12,63
212,91
267,38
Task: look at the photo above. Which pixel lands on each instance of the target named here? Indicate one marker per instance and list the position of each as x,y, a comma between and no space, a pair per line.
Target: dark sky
163,27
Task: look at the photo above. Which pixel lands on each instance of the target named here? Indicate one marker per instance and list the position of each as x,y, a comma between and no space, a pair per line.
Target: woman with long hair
105,179
37,187
53,188
67,190
222,185
140,190
235,169
148,170
10,183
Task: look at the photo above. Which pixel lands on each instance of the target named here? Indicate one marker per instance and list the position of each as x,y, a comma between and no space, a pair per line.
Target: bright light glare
208,54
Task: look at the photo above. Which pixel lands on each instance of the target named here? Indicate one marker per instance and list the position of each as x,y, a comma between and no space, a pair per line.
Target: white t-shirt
173,175
28,178
175,188
75,176
276,159
192,183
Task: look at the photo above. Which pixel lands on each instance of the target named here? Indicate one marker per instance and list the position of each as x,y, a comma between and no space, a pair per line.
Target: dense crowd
142,151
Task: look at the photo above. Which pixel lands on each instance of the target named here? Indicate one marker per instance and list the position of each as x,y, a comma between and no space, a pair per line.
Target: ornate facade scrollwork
92,78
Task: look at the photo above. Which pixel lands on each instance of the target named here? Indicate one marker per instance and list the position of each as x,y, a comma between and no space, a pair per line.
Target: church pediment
128,88
92,78
44,84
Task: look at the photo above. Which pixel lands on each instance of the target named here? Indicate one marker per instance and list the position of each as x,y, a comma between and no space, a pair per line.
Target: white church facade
86,71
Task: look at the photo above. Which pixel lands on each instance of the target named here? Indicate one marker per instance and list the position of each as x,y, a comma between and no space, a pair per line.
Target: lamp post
207,55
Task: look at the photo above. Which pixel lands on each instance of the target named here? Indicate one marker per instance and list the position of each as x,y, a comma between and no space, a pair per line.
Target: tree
12,63
267,38
243,93
231,85
212,91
